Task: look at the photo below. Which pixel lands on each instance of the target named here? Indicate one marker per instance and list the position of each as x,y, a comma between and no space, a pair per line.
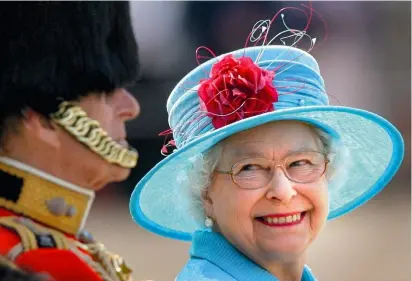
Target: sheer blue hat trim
161,201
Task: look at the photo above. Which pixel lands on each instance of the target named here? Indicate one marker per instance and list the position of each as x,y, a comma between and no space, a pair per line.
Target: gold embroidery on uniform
27,237
88,131
7,262
113,264
59,238
32,203
35,194
110,267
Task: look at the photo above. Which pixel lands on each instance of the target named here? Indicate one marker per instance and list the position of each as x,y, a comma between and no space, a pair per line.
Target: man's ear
41,127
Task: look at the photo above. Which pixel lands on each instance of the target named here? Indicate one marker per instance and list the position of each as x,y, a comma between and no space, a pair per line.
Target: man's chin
119,173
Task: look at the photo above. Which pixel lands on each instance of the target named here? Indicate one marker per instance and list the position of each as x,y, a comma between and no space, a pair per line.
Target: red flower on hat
237,89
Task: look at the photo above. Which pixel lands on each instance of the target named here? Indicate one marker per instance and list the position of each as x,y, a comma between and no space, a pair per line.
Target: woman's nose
281,188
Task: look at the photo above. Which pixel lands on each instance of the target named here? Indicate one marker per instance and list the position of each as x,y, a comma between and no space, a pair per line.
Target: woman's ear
207,202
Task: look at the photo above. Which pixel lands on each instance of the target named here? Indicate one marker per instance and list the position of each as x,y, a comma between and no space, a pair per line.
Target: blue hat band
297,85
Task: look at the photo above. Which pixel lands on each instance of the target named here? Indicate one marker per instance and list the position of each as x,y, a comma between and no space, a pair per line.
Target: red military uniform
52,55
10,272
41,231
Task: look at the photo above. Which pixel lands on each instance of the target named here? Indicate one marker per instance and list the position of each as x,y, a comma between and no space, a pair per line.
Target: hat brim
161,203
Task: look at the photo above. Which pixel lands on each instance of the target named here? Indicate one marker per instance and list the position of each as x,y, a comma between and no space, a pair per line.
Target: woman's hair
203,166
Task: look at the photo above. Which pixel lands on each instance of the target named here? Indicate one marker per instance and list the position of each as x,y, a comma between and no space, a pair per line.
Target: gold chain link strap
88,131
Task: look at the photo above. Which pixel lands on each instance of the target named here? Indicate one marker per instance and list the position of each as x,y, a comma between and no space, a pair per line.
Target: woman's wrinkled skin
280,250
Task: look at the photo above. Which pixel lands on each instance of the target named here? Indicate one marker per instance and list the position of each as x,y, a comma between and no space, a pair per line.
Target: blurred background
366,63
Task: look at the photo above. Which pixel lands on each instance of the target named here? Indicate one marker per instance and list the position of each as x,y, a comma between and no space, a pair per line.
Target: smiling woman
333,152
262,162
254,210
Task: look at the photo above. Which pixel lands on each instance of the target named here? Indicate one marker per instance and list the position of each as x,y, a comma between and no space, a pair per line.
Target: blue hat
161,202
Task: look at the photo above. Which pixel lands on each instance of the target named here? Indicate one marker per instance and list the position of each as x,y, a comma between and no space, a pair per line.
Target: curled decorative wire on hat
238,88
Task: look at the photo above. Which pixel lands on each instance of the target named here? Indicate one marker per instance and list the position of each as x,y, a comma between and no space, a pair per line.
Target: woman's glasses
300,167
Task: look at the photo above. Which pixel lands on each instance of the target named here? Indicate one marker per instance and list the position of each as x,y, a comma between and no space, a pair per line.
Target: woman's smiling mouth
280,220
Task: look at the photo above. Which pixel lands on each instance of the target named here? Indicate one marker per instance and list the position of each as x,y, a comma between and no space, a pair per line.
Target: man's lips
123,142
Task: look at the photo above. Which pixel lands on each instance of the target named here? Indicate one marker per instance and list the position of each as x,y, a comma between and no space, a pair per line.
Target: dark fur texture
53,51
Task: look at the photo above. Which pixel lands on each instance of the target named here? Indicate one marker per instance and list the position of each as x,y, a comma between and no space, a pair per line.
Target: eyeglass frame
282,166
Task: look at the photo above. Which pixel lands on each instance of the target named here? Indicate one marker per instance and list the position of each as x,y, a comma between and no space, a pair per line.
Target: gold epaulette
46,199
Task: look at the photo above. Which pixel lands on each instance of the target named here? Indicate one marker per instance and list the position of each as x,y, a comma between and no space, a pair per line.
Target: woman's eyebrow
239,152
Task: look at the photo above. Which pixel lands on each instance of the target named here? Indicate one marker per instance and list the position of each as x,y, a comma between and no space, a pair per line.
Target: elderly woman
262,162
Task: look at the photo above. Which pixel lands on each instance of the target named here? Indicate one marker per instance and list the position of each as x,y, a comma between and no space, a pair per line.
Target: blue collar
214,248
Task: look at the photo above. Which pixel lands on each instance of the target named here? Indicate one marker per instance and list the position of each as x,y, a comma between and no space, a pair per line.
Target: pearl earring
208,222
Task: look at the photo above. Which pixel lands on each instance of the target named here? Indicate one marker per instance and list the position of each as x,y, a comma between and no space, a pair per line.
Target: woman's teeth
279,220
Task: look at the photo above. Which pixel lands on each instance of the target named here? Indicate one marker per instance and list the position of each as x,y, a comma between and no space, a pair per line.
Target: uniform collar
43,197
216,249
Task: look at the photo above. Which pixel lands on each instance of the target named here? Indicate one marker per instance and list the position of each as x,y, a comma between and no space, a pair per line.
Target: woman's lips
280,220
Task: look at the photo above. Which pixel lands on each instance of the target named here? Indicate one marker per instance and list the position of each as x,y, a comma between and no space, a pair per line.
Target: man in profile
63,107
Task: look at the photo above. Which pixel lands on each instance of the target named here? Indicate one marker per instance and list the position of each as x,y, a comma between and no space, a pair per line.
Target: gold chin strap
88,131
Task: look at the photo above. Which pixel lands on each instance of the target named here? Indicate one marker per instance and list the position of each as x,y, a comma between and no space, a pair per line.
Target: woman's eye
251,167
299,163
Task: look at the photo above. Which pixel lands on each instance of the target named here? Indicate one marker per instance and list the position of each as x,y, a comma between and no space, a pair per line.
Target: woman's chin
287,246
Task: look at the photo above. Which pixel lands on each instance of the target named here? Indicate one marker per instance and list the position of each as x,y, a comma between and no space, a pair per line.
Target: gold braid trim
109,266
26,229
8,263
59,238
27,237
88,131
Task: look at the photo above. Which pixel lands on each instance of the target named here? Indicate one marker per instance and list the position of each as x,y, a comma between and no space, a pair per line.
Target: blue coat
213,258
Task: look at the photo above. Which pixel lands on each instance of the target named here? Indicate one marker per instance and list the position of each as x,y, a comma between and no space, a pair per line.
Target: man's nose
127,106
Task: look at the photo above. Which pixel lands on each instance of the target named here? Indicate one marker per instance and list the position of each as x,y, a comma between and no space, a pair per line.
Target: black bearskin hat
54,51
